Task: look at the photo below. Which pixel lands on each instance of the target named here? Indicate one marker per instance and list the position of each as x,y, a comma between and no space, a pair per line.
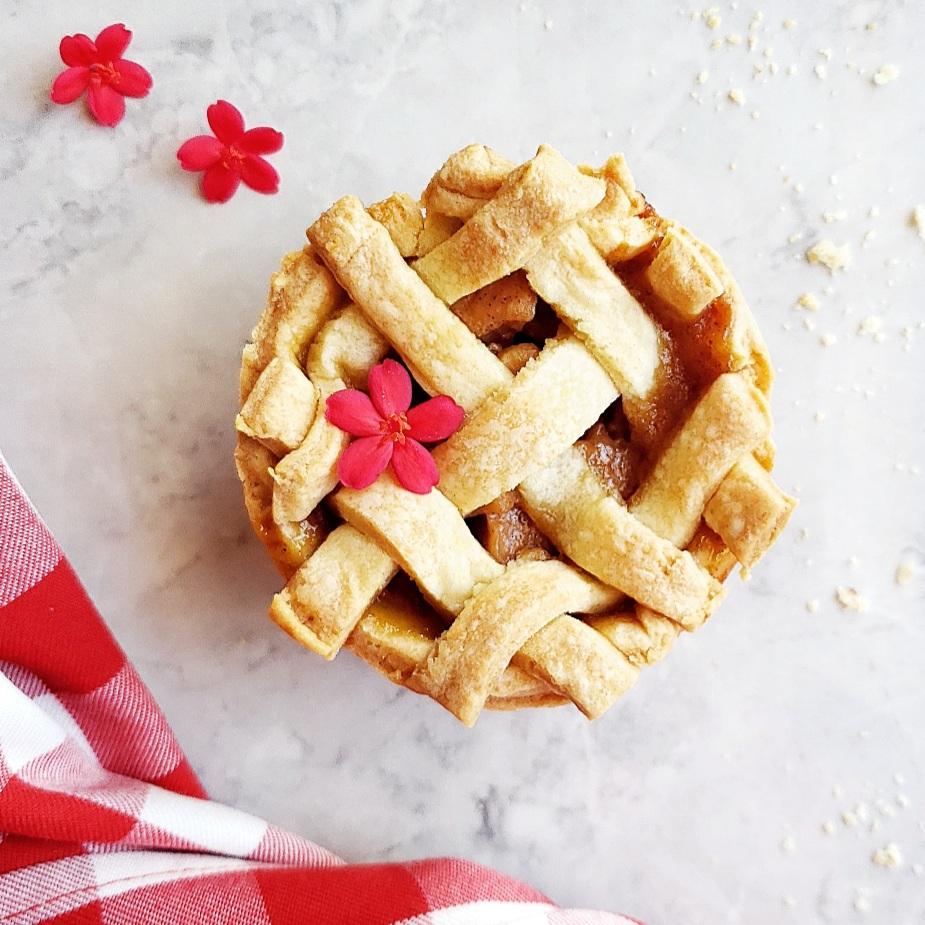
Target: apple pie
586,459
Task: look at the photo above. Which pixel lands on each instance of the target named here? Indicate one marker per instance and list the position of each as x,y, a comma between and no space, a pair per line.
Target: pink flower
232,155
99,68
388,432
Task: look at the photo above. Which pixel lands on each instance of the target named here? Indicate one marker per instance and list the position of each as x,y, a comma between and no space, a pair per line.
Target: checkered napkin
102,820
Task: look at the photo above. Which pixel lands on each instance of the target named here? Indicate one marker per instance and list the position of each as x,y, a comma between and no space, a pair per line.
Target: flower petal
389,387
70,84
133,79
77,50
435,419
219,183
106,105
112,42
352,411
199,153
262,140
225,121
414,467
364,461
259,174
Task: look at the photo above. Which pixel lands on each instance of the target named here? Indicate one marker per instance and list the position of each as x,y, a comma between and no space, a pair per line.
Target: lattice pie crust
612,466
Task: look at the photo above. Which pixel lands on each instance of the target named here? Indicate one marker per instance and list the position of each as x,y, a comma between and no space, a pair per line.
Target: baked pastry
611,468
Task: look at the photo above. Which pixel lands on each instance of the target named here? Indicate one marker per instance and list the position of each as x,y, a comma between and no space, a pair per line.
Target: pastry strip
327,596
681,277
442,352
568,504
495,623
280,407
728,422
401,217
533,202
748,511
466,181
572,276
395,639
425,534
289,543
605,675
302,295
548,406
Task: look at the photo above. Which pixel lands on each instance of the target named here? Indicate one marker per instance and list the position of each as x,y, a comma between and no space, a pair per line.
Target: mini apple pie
506,442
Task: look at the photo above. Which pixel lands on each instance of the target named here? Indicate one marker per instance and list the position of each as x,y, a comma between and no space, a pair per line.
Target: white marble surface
124,303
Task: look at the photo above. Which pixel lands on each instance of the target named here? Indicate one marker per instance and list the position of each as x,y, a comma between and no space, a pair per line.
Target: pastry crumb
849,818
905,572
885,74
789,23
828,339
821,71
812,606
828,827
889,855
736,96
851,599
788,844
917,220
809,301
711,17
829,255
872,324
837,216
703,77
861,903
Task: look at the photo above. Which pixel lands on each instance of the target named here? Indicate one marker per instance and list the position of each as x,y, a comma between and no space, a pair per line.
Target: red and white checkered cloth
102,819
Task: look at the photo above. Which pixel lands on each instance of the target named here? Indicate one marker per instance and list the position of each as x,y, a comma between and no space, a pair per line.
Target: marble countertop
707,795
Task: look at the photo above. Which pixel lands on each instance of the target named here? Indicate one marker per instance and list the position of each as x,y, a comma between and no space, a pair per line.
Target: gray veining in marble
125,301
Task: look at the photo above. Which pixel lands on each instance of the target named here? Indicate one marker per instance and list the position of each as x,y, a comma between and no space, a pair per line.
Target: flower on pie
387,432
231,155
98,68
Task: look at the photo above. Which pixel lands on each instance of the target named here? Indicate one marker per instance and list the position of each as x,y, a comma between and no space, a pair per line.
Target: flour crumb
831,256
703,77
828,339
888,856
809,301
851,599
736,96
839,215
872,325
789,23
828,827
905,572
788,844
861,903
821,71
711,17
885,74
917,220
812,606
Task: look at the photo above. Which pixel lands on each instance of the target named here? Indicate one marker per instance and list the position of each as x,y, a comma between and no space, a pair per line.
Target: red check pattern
103,821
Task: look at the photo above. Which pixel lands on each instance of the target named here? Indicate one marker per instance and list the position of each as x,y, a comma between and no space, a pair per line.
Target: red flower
388,432
99,68
232,155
